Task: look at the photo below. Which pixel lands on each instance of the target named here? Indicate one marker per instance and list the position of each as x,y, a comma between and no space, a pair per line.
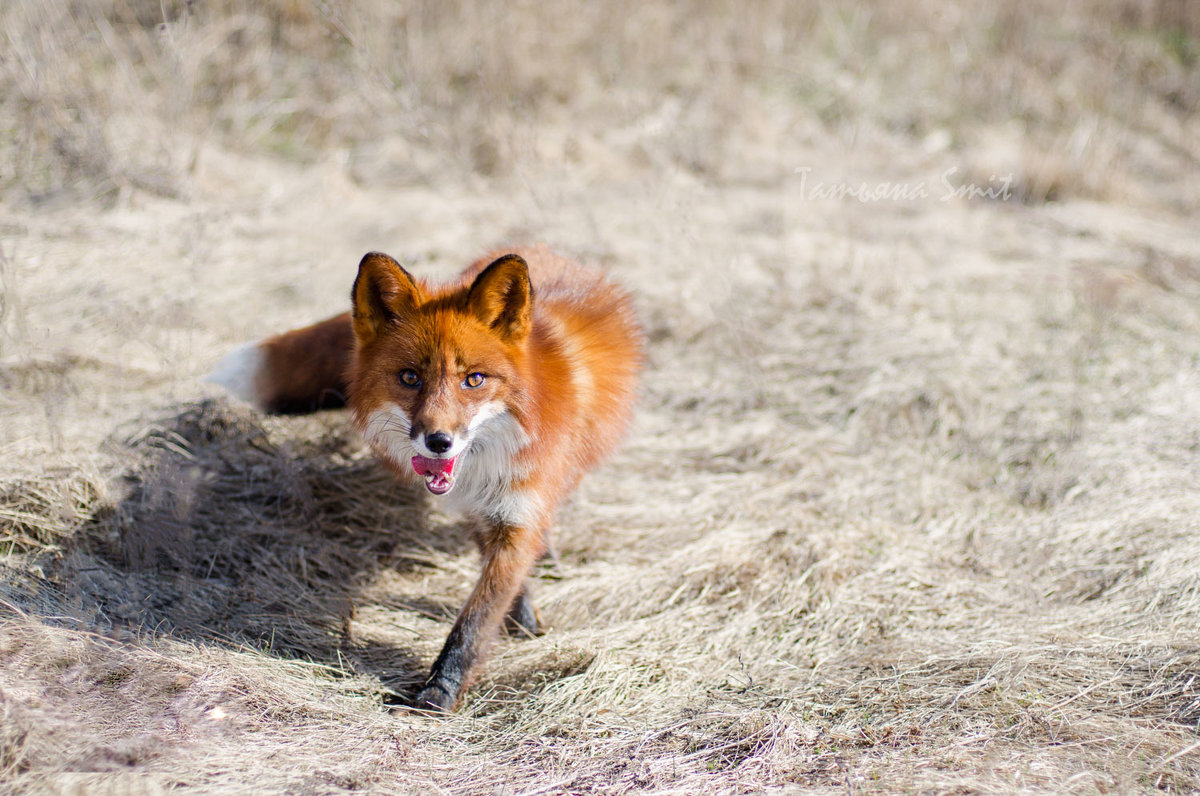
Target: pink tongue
426,466
438,473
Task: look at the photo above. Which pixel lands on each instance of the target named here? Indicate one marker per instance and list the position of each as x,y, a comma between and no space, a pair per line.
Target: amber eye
410,378
474,380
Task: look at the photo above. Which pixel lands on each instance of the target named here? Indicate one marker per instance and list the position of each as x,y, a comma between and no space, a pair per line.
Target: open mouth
438,473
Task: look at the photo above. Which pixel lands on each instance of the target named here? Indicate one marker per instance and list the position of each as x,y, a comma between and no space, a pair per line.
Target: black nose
438,441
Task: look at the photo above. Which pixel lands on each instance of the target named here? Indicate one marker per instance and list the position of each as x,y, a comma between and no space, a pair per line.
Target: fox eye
410,378
474,380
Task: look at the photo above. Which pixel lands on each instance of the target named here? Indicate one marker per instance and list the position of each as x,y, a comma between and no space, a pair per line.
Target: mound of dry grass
910,503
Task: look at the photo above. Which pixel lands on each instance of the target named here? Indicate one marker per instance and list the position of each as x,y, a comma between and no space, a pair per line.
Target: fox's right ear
383,290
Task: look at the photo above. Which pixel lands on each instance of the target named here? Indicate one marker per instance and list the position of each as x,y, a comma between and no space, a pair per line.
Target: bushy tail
295,372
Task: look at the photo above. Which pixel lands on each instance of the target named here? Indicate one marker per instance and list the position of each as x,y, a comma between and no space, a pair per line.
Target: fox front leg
508,557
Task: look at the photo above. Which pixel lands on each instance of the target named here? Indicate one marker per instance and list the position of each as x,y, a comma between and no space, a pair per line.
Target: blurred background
1085,98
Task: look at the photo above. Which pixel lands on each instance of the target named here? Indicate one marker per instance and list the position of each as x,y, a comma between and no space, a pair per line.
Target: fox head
436,367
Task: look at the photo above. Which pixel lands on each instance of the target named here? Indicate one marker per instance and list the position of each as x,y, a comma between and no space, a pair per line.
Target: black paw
435,698
524,621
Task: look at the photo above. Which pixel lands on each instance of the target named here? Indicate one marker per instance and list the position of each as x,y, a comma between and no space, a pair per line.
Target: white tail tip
239,373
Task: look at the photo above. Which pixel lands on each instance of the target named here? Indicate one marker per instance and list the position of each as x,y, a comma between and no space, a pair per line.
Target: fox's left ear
502,297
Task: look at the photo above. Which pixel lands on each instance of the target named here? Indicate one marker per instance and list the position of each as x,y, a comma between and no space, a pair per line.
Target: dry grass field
912,499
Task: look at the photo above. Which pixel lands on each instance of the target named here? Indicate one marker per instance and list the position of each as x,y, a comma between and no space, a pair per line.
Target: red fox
498,391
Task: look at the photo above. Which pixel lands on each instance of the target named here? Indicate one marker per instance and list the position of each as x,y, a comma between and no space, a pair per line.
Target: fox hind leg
524,620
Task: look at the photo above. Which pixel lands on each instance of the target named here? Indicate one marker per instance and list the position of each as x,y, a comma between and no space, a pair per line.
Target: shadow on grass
259,533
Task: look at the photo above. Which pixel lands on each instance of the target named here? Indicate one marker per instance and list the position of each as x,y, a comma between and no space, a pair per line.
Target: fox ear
502,297
382,291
